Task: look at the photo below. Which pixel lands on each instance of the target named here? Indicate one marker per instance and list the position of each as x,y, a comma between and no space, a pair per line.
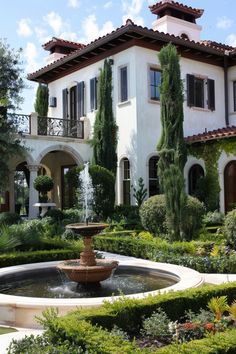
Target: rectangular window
234,93
93,93
123,84
197,95
155,81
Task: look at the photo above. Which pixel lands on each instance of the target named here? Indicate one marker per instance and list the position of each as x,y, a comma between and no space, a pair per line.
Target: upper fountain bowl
91,229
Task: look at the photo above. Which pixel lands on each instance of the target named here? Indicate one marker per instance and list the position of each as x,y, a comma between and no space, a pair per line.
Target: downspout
226,88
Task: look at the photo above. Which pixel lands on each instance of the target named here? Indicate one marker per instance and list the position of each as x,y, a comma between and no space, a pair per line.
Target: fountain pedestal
87,269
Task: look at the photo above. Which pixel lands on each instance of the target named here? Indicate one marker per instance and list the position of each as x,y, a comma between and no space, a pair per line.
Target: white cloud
30,54
42,35
224,22
69,36
73,3
91,29
231,40
151,2
24,29
54,21
132,10
108,5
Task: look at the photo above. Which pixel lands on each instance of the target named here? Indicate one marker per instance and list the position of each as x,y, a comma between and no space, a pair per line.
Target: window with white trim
123,80
155,82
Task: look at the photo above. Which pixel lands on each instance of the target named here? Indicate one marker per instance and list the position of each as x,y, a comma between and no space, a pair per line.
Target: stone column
33,194
12,191
34,123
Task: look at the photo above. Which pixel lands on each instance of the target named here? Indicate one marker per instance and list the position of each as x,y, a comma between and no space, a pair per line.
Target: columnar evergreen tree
11,85
105,130
41,107
171,147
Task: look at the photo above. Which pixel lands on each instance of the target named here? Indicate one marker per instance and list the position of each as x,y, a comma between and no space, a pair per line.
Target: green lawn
4,330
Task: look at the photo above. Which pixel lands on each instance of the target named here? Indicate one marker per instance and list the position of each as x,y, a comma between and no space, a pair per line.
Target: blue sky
30,23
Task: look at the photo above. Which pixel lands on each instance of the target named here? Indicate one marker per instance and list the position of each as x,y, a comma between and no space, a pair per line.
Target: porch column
33,194
11,191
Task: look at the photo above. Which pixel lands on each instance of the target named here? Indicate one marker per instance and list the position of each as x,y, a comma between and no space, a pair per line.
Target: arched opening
125,165
230,186
184,36
153,185
196,172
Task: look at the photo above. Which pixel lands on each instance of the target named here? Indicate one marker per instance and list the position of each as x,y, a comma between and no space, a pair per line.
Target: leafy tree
171,147
41,107
11,85
104,140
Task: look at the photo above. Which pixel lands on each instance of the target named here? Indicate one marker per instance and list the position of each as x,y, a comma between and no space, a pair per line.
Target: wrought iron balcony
48,126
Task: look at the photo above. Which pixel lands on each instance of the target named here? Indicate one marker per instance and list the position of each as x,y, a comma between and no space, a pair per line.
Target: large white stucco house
208,71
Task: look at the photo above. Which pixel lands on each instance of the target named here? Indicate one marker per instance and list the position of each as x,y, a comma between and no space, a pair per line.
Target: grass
5,330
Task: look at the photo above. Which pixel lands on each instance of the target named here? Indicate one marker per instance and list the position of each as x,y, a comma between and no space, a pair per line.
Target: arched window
230,186
126,181
195,173
153,178
184,36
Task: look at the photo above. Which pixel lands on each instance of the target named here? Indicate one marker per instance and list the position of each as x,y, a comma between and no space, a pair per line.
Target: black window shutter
93,93
80,96
65,104
190,90
211,94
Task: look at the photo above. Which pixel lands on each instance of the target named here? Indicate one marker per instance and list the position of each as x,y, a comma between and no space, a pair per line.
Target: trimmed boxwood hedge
88,327
15,258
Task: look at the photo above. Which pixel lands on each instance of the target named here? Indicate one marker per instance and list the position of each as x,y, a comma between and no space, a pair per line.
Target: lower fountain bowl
84,274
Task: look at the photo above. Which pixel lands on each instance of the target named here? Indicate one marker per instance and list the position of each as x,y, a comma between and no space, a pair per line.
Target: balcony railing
48,126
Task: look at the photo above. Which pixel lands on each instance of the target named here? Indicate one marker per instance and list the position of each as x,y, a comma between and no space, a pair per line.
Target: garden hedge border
128,314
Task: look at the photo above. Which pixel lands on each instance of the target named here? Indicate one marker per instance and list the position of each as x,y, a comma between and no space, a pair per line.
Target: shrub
193,214
72,215
127,216
157,325
230,226
8,218
153,214
56,214
213,218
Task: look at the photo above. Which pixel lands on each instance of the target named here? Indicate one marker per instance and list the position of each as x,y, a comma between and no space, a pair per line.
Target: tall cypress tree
105,130
171,147
41,107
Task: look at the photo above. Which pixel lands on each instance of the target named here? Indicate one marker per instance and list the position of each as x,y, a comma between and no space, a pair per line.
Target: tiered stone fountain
87,269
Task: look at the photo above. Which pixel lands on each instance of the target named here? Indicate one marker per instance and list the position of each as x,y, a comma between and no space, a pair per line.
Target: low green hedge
15,258
128,313
219,343
176,253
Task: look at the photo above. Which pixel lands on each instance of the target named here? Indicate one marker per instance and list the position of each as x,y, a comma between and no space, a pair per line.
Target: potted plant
43,184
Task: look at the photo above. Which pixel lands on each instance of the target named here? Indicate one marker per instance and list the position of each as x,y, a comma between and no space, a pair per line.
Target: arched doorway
230,186
196,172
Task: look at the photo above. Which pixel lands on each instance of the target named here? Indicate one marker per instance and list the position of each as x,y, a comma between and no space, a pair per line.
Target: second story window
155,81
93,93
234,95
123,84
200,92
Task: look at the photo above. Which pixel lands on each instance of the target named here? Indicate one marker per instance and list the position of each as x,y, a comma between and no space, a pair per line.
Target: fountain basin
88,274
20,311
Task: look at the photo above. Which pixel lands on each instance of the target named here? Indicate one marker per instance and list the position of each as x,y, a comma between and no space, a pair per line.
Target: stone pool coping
21,311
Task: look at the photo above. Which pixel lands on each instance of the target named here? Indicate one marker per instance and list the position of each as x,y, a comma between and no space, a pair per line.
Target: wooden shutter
211,94
80,97
190,90
93,93
65,104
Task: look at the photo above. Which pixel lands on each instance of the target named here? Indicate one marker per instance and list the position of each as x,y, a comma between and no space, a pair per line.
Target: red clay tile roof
62,42
127,32
222,133
162,5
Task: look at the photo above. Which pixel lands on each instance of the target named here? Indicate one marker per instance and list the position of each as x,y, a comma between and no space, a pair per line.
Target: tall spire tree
41,107
171,147
104,140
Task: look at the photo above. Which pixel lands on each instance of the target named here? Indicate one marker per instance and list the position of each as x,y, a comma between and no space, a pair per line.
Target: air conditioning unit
52,101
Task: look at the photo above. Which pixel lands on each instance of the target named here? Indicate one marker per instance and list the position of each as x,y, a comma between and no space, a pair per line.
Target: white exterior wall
231,79
176,26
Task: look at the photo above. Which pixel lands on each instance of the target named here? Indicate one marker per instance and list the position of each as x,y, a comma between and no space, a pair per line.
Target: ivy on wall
209,188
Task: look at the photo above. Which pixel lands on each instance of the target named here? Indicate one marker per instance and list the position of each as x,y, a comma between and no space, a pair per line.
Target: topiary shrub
153,214
43,184
193,214
230,227
8,218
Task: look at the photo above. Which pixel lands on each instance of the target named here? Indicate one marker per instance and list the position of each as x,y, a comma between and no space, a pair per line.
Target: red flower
209,327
